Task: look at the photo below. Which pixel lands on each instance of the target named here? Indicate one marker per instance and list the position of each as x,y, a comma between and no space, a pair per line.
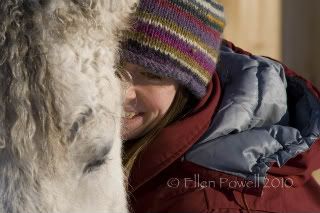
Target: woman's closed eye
151,76
139,73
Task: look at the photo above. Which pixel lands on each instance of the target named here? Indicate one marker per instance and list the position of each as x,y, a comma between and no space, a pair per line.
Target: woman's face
147,99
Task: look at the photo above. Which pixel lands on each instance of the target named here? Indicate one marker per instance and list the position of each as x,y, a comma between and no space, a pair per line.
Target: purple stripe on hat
153,7
181,46
163,65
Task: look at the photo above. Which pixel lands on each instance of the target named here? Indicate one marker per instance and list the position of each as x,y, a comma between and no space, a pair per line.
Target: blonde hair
176,109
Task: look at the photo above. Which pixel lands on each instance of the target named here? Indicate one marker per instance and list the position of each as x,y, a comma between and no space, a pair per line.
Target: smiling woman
198,106
150,103
147,99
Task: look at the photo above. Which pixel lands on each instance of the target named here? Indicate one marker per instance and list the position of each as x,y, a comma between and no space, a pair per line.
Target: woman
209,127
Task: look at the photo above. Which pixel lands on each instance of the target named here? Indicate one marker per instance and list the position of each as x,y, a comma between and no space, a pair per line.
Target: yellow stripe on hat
216,20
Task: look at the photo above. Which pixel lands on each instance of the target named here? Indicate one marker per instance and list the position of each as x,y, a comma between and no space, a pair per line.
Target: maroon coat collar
174,140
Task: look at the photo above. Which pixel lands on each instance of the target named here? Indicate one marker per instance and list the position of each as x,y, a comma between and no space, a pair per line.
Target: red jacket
162,181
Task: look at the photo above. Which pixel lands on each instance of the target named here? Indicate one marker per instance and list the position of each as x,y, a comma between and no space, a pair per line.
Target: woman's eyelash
151,76
125,75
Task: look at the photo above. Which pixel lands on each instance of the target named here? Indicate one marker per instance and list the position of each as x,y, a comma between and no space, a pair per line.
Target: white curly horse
60,106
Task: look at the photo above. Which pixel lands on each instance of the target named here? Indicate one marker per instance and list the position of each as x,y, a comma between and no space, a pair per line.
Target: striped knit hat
179,39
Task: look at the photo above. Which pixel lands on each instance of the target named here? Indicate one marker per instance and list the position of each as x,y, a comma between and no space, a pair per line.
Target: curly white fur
60,148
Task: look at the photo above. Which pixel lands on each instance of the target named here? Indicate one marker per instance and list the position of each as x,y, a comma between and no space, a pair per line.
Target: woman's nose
130,95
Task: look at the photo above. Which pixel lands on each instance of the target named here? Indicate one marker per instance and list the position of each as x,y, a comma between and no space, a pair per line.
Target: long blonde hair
177,108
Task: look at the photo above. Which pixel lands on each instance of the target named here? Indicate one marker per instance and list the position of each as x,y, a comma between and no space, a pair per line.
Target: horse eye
94,165
99,159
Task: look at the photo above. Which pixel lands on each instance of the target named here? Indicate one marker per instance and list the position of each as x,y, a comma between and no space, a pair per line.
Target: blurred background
286,30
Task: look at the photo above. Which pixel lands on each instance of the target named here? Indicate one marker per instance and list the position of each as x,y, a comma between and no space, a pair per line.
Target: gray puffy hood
264,117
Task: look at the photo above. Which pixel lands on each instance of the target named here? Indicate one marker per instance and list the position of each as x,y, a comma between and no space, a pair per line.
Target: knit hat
178,39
